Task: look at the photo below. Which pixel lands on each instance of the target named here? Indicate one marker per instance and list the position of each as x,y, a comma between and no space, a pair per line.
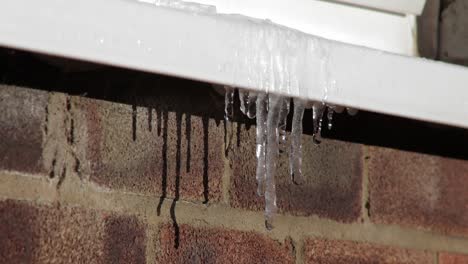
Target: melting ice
271,112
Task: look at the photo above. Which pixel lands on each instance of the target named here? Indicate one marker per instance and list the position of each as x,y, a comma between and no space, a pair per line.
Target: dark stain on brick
158,121
368,208
17,232
164,162
188,137
175,225
125,240
134,122
150,118
52,167
148,165
206,148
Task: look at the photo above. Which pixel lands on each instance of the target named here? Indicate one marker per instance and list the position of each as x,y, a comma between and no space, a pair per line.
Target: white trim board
237,51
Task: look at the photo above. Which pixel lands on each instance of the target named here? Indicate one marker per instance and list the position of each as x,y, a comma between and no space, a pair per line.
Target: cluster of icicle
271,112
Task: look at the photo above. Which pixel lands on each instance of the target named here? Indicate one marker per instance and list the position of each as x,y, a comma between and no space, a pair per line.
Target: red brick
203,245
446,258
43,234
332,170
17,241
418,190
157,144
125,240
22,122
335,251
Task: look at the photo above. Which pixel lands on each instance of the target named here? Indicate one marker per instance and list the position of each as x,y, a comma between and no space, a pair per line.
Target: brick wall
157,176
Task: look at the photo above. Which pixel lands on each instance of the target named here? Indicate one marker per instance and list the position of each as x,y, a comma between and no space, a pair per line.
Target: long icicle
275,103
261,131
295,155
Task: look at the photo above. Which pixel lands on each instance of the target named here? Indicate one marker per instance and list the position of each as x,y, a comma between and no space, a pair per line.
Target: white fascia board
240,52
350,24
414,7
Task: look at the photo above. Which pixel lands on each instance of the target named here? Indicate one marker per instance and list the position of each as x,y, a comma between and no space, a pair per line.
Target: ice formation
318,109
271,112
284,104
275,104
261,131
184,5
228,103
295,154
286,62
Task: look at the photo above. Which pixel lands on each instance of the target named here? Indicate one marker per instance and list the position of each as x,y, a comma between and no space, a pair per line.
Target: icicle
228,103
352,111
251,105
295,155
317,116
243,95
275,103
283,118
330,111
262,101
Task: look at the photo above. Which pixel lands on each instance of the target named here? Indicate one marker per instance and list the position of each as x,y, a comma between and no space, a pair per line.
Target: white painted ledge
354,25
414,7
237,51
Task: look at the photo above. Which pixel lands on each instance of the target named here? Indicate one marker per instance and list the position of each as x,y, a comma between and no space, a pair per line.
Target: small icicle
283,119
243,95
262,101
228,103
318,110
352,111
295,155
330,111
251,105
275,104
